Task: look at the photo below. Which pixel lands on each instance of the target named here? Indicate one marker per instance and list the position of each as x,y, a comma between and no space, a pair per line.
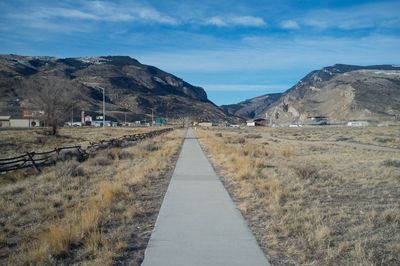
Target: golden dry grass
380,136
312,203
89,216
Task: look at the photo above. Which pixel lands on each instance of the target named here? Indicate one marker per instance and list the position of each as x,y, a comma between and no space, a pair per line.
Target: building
99,123
24,122
251,123
74,124
205,124
256,122
159,121
5,121
32,113
357,123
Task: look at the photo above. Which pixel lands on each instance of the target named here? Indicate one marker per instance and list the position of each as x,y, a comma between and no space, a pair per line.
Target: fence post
30,156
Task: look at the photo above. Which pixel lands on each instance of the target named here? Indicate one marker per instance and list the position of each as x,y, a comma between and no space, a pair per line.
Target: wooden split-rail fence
38,160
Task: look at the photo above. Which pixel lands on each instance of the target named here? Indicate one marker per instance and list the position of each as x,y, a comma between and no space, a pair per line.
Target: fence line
40,159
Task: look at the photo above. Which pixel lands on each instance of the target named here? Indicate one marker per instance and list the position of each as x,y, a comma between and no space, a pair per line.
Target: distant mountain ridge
252,108
339,92
130,86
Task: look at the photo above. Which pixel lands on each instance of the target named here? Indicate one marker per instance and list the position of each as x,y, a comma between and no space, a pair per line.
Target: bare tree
55,96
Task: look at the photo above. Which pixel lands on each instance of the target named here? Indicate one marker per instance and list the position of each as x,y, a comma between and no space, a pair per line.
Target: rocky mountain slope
131,87
252,108
339,92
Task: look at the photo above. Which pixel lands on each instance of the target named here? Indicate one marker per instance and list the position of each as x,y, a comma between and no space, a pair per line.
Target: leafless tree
55,96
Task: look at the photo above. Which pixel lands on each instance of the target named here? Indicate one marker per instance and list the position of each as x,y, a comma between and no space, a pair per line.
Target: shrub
66,155
218,135
123,155
102,160
307,171
68,169
391,162
383,139
253,136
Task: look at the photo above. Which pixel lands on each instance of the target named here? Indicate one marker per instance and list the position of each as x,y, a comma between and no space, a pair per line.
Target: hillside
131,87
339,92
252,108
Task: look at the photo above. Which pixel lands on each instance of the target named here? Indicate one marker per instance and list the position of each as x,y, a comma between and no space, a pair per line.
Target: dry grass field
99,212
313,203
380,136
15,142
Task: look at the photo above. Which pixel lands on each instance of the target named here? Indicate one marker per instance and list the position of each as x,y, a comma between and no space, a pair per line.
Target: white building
358,123
5,121
24,122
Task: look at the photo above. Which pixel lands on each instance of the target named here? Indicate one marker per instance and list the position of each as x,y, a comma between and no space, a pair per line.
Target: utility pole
104,107
152,117
72,116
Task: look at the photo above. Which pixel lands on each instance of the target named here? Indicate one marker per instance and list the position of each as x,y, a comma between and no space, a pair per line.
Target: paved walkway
198,223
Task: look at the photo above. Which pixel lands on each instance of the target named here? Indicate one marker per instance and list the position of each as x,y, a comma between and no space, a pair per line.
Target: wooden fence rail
40,159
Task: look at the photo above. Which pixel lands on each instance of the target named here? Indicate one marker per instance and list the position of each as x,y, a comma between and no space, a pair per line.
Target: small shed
251,123
5,121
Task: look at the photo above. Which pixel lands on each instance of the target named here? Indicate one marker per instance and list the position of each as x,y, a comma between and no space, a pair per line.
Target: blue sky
234,49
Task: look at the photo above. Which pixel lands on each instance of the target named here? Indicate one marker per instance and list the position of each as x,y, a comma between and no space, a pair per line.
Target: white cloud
375,15
276,53
289,25
246,21
101,11
216,21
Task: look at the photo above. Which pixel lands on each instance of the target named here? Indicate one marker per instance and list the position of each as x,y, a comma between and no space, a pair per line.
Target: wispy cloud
275,53
289,25
378,15
246,21
100,11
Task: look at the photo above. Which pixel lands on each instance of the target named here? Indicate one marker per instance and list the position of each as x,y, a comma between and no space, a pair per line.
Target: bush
102,160
253,136
307,171
391,162
69,168
123,155
383,139
218,135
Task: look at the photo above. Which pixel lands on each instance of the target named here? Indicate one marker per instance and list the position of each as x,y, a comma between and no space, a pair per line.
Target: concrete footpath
198,223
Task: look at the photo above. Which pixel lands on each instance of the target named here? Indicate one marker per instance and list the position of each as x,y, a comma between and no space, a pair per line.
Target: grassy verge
99,212
312,204
15,142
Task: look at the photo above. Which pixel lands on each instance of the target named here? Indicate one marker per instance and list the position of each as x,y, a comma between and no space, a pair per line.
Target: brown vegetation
98,212
15,142
312,203
380,136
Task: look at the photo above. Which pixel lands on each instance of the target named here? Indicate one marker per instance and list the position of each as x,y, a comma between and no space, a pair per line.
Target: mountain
252,108
339,92
131,87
